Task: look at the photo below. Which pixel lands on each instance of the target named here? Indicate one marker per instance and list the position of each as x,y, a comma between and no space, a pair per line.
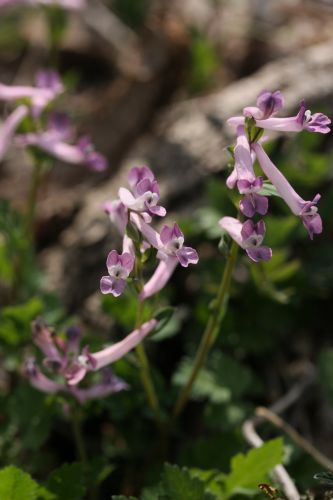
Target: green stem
145,374
211,330
32,199
78,437
27,230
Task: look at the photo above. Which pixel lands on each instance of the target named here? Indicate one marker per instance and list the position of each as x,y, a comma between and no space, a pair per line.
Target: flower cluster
63,358
48,131
248,148
134,210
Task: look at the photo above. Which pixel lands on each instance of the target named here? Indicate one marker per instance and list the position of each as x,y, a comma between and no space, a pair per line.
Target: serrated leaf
250,469
17,485
179,485
32,413
67,482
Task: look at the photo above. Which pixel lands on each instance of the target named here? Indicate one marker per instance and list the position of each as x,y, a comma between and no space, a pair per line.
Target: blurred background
152,82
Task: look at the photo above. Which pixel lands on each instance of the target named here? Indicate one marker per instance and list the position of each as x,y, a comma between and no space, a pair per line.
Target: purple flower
43,338
64,4
119,268
137,174
110,384
145,192
304,120
49,86
248,236
306,210
248,184
169,243
172,245
73,365
39,380
160,278
268,103
49,79
52,142
118,214
90,157
9,127
118,350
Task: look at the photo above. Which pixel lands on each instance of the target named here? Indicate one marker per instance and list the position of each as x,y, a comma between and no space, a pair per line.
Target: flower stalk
78,437
211,330
144,367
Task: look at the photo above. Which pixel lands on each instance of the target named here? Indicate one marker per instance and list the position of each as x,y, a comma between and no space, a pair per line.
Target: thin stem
78,437
32,199
144,367
211,329
276,420
27,230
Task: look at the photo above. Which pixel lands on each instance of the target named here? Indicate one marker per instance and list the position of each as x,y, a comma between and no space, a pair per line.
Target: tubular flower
64,4
119,268
118,214
52,142
56,139
268,103
145,192
249,236
171,251
247,183
306,210
248,148
133,211
64,358
304,120
172,246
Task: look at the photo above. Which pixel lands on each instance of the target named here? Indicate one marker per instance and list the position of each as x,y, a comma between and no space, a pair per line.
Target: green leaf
67,482
17,485
250,469
15,320
205,386
179,485
268,190
32,412
169,323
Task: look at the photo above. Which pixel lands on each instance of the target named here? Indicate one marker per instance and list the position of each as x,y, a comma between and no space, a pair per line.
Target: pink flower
118,214
145,192
304,120
52,141
64,358
306,210
160,278
248,236
119,268
64,4
48,87
243,174
268,103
